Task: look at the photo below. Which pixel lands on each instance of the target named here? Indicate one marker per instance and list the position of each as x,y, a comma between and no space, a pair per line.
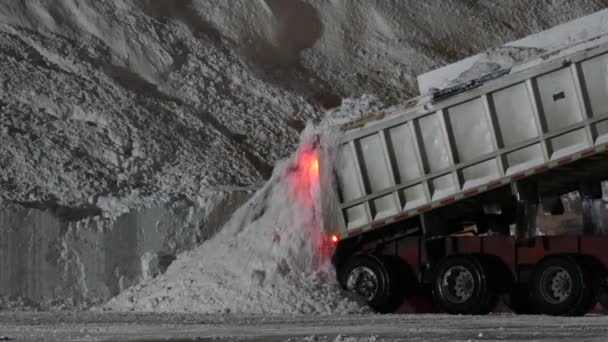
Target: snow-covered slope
111,105
105,108
566,38
271,257
380,46
108,107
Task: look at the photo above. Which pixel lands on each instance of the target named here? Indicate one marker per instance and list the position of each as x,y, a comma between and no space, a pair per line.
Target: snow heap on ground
272,256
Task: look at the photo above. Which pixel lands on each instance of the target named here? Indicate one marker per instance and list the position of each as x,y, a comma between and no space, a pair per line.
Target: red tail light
314,165
334,239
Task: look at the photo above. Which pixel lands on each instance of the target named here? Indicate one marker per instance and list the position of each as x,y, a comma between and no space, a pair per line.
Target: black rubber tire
518,300
389,294
602,298
484,294
581,298
591,271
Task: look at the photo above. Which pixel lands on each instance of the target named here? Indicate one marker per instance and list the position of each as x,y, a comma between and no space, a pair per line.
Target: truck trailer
441,194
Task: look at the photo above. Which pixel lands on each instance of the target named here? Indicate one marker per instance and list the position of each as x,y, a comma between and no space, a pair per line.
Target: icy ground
92,326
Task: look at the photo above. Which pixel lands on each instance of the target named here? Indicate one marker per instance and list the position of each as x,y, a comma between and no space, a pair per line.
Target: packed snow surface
111,326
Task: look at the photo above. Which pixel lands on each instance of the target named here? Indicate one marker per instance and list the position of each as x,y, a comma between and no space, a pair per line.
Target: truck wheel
462,285
518,300
371,278
602,288
602,298
561,286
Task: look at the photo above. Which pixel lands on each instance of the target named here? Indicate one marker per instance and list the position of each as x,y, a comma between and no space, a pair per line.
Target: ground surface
92,326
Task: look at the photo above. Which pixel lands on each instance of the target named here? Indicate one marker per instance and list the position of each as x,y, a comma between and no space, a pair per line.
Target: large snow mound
271,257
380,46
108,106
105,106
111,106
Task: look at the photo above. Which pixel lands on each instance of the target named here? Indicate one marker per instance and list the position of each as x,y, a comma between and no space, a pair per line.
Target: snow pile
351,109
108,107
378,47
111,106
272,256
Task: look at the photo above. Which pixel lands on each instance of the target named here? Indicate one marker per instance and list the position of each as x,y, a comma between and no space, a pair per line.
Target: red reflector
518,177
378,224
334,239
588,152
424,209
471,193
355,232
402,216
494,185
448,201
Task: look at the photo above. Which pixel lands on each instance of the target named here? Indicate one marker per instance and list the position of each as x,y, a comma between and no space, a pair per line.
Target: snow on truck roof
554,40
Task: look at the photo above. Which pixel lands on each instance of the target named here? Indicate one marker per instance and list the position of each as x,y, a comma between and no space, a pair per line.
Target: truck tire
464,285
562,286
518,300
599,282
372,278
602,298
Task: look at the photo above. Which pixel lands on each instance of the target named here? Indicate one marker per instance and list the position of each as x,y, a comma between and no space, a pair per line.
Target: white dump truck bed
470,139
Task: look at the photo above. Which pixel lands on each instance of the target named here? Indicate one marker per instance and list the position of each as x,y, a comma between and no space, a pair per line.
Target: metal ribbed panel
475,141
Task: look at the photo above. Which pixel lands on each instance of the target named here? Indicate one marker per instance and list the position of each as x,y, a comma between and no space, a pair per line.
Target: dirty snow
111,106
271,257
379,47
106,108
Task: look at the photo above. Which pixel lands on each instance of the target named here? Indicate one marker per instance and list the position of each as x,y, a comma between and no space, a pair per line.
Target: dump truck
440,196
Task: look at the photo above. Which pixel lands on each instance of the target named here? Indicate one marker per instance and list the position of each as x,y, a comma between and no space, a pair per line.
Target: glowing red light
314,165
334,239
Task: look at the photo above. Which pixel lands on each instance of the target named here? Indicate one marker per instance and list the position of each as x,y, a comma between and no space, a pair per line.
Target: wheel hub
363,281
458,284
556,285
